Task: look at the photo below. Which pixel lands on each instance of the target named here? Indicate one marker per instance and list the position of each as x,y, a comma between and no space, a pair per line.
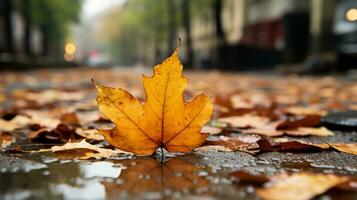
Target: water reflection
153,179
38,183
140,178
70,180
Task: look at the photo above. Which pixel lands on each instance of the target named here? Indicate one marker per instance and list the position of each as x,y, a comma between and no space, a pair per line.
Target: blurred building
32,33
265,33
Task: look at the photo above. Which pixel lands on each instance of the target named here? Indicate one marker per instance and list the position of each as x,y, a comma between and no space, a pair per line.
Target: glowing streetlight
70,48
351,15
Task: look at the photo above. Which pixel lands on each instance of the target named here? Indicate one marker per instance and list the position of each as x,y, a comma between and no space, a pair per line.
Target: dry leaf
245,121
302,131
300,145
296,110
99,152
300,186
5,140
207,148
91,134
62,133
305,121
211,130
346,148
164,120
245,143
287,146
17,122
70,119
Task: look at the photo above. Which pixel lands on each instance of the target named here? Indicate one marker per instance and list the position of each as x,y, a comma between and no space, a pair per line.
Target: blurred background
302,36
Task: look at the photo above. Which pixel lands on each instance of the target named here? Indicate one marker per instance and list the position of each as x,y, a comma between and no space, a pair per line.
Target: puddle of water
141,178
71,180
187,176
101,169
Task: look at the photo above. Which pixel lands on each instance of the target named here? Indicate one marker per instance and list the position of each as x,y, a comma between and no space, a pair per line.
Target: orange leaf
164,120
300,186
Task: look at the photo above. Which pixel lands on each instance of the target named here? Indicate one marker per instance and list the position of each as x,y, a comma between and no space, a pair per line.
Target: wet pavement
197,175
190,176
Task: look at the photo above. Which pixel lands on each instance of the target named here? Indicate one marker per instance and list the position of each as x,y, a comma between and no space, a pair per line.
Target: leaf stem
162,154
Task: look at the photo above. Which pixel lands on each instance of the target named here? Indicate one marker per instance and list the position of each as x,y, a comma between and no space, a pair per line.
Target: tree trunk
217,10
8,26
172,25
28,24
45,41
187,27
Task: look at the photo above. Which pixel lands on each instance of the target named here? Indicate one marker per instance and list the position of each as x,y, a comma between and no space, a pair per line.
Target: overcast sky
94,7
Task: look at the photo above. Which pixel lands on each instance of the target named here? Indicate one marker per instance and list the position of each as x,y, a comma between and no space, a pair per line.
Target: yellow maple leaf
165,120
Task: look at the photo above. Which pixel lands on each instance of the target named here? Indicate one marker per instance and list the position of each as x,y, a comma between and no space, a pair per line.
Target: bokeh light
351,15
70,48
68,57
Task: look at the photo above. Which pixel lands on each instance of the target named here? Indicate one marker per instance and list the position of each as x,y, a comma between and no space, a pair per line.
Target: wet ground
190,176
197,175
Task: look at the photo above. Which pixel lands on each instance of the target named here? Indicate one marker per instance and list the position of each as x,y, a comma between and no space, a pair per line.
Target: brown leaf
211,130
346,148
301,131
246,143
283,144
297,110
62,133
91,134
304,121
17,122
5,140
209,147
98,152
70,119
246,121
300,186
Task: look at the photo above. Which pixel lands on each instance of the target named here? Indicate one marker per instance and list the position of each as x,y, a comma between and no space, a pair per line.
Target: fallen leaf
288,146
164,120
5,140
19,121
211,130
266,131
297,110
301,131
70,119
91,134
42,118
209,147
304,121
346,148
245,143
98,152
61,134
246,121
299,186
282,144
